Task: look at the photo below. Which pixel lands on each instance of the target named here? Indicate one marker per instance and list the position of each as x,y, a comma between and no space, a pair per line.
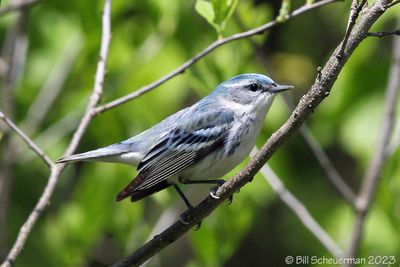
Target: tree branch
319,90
181,69
370,180
301,211
17,6
326,164
328,167
14,51
354,12
56,170
28,141
383,34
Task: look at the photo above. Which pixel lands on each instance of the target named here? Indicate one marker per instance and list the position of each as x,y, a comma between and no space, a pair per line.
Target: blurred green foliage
84,226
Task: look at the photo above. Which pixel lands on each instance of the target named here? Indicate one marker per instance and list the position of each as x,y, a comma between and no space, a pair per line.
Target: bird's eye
253,87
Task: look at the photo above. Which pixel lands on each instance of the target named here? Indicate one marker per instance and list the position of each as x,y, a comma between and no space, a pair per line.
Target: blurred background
46,93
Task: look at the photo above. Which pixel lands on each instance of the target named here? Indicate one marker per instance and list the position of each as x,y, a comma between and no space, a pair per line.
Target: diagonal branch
56,170
27,140
320,89
301,211
383,34
13,54
181,69
371,178
355,10
328,166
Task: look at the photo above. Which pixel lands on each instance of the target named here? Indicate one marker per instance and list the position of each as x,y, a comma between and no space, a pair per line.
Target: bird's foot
185,218
213,194
229,200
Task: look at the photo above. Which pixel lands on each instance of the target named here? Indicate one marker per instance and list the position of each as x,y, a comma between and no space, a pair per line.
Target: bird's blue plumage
203,141
185,145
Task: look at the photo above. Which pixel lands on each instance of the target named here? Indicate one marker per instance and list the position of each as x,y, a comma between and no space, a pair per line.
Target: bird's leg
184,216
184,198
217,182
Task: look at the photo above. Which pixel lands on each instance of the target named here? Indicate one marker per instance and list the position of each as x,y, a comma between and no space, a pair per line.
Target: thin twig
383,34
28,141
307,104
14,52
17,6
371,178
57,169
301,211
181,69
328,166
58,130
395,2
354,12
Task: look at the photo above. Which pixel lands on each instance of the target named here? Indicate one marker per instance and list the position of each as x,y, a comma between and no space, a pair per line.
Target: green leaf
223,10
216,12
206,10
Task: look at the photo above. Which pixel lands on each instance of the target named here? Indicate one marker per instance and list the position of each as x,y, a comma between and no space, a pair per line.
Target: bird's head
249,90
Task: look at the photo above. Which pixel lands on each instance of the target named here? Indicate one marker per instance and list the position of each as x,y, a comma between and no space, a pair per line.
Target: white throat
260,108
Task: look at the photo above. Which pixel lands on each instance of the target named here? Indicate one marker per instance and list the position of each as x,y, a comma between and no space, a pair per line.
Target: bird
196,145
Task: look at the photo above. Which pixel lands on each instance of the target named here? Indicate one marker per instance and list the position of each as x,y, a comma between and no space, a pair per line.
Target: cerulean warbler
197,144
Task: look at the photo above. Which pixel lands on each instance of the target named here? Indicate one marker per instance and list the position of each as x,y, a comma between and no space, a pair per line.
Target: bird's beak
280,88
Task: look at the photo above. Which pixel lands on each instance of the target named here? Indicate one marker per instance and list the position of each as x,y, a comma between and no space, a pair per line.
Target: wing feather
181,148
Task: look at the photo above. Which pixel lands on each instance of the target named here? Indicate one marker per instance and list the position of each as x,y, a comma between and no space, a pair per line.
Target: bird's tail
102,154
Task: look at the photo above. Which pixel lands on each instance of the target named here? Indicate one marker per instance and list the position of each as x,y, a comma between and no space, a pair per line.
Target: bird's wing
180,148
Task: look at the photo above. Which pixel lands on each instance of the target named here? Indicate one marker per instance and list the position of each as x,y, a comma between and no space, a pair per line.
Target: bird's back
132,150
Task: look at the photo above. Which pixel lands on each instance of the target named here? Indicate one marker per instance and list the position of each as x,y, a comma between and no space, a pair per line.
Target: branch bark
13,53
371,178
319,90
355,10
56,170
27,140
